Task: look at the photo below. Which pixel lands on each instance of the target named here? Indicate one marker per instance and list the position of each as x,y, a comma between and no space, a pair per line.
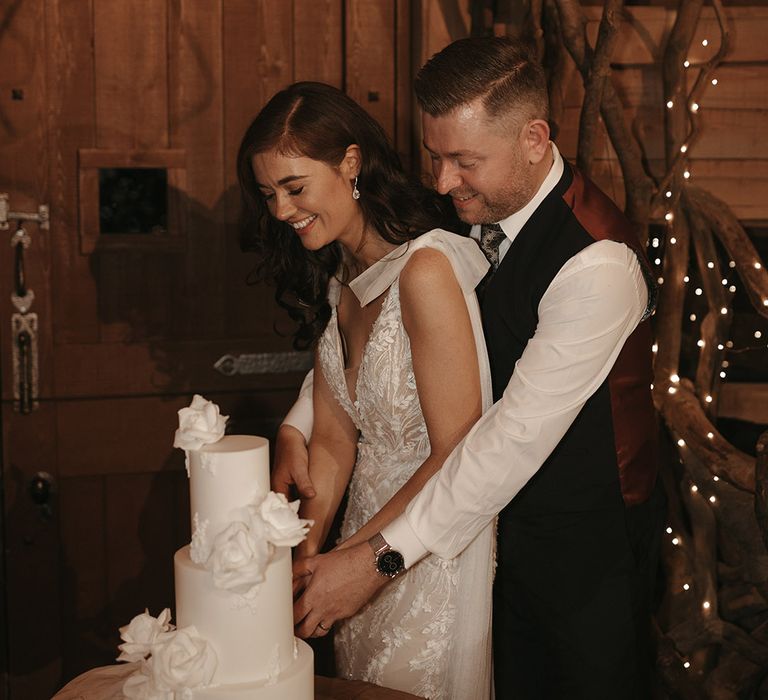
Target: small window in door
133,201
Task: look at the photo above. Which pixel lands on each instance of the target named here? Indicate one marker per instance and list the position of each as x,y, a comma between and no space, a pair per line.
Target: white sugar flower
284,528
239,556
199,424
181,660
139,635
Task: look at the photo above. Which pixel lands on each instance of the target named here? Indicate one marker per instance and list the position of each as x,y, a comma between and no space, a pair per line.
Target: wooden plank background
128,335
730,159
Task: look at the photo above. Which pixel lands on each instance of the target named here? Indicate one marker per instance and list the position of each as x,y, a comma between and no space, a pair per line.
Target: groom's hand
291,466
341,582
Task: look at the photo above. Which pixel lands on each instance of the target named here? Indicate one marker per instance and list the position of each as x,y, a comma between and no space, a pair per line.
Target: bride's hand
301,575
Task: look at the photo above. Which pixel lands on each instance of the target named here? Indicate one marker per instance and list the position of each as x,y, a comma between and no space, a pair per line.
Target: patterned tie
491,236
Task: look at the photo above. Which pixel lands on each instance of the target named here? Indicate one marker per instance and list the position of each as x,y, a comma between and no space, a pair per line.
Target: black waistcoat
608,457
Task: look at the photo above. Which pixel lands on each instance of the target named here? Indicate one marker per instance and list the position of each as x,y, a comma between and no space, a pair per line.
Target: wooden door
131,324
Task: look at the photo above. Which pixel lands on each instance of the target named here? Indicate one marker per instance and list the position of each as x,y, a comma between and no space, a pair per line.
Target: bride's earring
355,191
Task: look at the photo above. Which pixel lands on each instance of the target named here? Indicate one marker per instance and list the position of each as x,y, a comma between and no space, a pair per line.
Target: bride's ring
323,627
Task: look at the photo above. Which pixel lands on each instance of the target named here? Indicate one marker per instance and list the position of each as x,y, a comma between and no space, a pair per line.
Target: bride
353,247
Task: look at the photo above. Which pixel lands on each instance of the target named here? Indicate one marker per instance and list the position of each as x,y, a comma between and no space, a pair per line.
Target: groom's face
480,161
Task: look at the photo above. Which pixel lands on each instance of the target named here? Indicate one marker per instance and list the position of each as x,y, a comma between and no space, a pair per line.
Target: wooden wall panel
24,176
406,138
71,125
140,446
732,112
140,532
131,106
29,535
197,110
317,41
370,58
131,82
258,60
83,586
728,180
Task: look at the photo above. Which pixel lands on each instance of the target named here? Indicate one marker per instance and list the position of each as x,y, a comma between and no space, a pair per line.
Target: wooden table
106,683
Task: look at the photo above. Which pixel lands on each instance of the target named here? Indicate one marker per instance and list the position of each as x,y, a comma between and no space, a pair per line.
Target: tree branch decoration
712,623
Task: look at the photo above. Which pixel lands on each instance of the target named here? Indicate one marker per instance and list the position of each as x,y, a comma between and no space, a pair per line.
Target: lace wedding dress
428,632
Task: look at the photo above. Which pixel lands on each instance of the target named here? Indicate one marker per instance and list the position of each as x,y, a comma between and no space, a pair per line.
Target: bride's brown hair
320,122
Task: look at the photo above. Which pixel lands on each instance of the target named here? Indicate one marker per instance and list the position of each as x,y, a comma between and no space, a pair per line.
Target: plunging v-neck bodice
353,388
385,406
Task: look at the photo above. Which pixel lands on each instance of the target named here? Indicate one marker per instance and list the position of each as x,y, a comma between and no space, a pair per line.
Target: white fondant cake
234,607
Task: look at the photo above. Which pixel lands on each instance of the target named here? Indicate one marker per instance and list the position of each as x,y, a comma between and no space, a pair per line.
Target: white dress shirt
301,416
586,314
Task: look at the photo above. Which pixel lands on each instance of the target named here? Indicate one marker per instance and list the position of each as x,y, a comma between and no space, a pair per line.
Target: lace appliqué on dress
402,638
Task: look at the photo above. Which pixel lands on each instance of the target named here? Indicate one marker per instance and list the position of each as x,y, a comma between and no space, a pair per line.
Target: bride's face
311,196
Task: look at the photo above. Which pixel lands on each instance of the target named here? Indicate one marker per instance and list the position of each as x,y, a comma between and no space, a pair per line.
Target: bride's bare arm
332,451
445,364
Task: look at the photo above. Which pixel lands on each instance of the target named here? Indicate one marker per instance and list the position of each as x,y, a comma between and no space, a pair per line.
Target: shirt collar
514,223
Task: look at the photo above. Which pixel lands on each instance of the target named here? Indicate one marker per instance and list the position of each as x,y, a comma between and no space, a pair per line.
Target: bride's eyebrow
283,181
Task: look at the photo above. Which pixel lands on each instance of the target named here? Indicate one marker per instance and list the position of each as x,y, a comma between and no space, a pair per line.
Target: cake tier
254,641
224,476
294,683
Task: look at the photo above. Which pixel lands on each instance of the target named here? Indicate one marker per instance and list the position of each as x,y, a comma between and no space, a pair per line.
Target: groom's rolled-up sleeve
589,310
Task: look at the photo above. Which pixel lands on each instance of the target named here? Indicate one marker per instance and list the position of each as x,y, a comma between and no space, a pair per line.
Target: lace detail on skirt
401,639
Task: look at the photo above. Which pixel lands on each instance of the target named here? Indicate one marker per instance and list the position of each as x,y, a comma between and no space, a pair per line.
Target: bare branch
598,73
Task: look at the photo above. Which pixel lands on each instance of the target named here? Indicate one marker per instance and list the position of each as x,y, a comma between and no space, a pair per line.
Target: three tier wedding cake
234,609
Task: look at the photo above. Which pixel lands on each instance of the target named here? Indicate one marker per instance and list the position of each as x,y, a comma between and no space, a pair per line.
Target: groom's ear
352,162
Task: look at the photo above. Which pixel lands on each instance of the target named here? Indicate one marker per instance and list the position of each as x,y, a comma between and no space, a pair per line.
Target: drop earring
355,191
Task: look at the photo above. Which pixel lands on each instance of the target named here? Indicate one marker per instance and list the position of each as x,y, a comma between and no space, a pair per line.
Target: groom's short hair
497,69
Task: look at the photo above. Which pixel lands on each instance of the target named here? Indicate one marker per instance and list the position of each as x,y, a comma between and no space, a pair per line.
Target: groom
567,455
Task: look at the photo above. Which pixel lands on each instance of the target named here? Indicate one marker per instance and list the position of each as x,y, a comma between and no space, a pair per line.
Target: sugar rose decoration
141,633
182,660
199,424
283,525
239,556
241,552
171,660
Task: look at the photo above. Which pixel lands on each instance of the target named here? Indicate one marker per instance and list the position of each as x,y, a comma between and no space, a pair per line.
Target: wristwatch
389,562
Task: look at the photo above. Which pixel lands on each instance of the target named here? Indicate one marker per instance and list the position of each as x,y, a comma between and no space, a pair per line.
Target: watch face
390,563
